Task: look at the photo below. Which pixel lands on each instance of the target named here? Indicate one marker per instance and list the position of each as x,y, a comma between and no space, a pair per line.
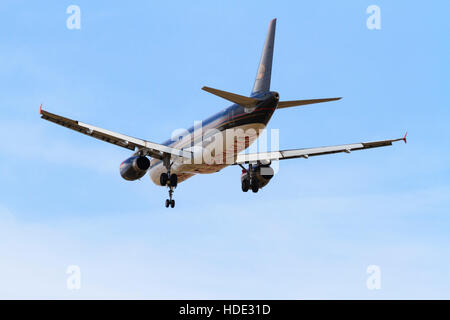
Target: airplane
174,161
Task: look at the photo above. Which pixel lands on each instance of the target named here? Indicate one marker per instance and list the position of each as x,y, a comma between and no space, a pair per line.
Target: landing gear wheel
245,185
170,202
173,179
163,178
254,185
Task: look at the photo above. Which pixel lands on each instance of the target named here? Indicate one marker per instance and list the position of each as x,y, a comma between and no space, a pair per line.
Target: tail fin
262,81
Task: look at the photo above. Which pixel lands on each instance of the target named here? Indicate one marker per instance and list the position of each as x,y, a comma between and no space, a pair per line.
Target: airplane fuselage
212,139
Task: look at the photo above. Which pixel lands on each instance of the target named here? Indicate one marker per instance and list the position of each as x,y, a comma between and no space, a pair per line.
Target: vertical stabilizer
262,81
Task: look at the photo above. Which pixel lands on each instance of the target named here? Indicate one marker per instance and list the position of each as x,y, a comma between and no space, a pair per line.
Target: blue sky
311,233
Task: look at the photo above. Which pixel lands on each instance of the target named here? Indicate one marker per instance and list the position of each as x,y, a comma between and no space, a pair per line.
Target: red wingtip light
40,109
404,137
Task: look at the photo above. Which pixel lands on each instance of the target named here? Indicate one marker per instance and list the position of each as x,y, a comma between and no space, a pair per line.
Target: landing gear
170,202
255,185
249,179
169,180
173,179
245,185
163,179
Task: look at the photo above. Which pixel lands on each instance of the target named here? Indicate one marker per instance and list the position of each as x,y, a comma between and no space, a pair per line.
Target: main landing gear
249,180
169,180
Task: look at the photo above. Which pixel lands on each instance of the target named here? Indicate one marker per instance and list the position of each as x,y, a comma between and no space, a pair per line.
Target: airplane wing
152,149
310,152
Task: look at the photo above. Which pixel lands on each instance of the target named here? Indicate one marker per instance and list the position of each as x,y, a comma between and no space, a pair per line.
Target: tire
245,185
172,203
163,179
173,180
167,203
255,185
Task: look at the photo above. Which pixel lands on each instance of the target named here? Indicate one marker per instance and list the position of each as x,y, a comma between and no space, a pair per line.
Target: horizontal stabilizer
293,103
235,98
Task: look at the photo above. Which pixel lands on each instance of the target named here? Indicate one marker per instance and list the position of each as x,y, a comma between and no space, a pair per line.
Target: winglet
404,137
40,109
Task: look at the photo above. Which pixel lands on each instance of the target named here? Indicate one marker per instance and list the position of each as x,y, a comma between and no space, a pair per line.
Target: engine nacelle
134,168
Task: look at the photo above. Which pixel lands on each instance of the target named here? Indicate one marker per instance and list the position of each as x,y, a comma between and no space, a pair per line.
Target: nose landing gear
169,180
170,202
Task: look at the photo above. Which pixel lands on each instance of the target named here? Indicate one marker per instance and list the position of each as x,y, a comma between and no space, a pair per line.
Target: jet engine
134,168
256,177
